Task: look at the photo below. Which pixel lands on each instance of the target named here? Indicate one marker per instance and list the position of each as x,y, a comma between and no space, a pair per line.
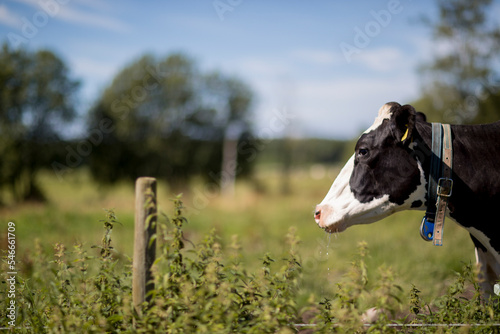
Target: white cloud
319,57
8,18
92,68
343,108
95,4
92,19
70,12
329,104
381,59
262,67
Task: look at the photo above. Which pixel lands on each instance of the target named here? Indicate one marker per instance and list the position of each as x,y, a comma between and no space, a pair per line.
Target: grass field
260,220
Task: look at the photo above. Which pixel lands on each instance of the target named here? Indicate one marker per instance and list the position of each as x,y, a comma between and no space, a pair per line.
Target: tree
37,100
169,121
461,83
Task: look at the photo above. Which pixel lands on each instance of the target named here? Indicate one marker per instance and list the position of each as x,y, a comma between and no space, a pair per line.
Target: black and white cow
389,171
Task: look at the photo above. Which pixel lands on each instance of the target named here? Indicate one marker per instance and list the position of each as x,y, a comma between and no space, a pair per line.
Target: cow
389,172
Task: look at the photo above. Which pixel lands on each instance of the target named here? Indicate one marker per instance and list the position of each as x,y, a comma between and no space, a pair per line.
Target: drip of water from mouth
329,237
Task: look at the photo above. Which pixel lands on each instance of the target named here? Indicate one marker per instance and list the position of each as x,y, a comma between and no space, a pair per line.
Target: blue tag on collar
427,229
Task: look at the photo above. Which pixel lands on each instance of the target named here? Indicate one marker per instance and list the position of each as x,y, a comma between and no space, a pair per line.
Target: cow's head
381,177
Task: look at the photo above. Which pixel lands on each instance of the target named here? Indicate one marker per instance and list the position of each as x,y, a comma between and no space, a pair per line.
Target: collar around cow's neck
440,184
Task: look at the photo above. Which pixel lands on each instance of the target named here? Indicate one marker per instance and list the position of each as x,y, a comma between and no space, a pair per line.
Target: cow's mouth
335,228
332,228
319,217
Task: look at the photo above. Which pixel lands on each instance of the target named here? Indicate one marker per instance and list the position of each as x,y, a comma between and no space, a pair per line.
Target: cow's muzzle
322,213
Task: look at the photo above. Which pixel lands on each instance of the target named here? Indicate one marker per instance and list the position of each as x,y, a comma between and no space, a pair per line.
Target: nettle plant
196,289
202,288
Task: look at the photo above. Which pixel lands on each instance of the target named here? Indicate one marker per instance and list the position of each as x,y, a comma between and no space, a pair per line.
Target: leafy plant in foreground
197,291
462,304
346,312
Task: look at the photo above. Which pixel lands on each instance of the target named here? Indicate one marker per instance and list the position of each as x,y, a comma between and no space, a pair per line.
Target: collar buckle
445,187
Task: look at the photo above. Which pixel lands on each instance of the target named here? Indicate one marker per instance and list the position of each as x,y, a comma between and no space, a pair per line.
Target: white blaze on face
340,209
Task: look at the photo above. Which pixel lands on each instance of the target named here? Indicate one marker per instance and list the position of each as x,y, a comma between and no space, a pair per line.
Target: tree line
160,116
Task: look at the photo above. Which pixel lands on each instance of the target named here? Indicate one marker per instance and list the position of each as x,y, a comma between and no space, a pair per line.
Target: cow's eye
362,152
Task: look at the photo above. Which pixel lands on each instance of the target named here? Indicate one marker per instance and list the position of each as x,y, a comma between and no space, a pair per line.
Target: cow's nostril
317,214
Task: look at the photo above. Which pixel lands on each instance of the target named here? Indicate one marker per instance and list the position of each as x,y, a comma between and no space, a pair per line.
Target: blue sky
327,65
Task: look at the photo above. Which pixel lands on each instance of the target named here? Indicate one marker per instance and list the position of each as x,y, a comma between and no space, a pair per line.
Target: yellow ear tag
405,135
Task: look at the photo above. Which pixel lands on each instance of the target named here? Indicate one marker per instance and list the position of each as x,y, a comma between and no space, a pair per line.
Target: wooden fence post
144,247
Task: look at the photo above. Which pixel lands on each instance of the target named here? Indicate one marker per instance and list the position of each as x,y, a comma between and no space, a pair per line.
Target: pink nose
317,214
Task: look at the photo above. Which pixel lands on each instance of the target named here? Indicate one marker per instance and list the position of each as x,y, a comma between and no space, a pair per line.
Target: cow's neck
476,175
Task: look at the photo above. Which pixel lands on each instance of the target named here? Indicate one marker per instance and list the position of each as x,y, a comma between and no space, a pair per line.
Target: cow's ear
421,117
403,123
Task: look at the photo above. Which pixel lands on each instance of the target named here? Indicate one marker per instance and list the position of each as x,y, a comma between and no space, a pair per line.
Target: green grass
260,219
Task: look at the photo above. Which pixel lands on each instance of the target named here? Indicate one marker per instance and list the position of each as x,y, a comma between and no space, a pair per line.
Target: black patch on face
383,166
416,204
